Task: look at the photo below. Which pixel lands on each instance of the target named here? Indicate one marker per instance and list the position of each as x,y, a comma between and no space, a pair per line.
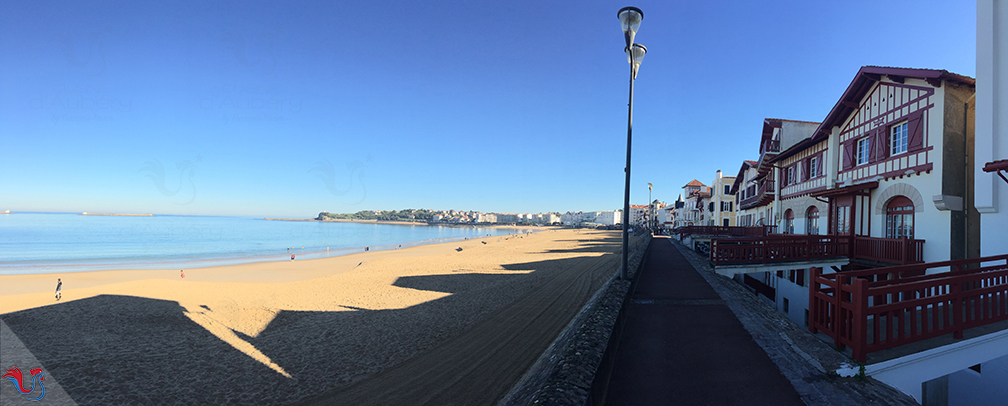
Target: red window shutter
819,162
915,131
848,155
881,143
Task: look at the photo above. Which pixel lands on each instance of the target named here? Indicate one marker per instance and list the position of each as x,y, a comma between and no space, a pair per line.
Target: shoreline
116,214
420,223
256,262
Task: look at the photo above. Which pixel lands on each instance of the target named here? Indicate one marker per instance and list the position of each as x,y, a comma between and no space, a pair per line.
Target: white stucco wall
990,191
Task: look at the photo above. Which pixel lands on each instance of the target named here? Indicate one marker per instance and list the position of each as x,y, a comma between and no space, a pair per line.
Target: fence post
814,307
839,325
955,290
859,301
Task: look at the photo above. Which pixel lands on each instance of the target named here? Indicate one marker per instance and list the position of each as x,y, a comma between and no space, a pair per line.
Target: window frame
905,134
813,167
862,151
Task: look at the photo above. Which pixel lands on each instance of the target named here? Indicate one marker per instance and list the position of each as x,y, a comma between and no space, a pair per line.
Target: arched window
812,221
789,222
900,218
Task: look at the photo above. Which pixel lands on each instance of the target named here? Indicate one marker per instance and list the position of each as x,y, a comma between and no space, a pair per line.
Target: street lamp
630,19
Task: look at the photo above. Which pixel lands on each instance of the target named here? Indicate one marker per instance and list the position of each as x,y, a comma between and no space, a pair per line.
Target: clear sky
291,108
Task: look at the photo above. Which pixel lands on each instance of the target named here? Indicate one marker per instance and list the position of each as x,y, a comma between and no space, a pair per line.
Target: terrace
878,309
774,248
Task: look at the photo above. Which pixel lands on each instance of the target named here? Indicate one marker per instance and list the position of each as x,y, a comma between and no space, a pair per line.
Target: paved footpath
681,344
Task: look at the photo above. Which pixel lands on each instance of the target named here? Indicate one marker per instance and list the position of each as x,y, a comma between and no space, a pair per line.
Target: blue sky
292,108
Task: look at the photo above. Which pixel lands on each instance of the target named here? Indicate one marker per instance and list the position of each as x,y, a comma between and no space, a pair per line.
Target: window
898,138
726,206
842,225
785,306
800,278
789,222
727,189
813,167
863,150
899,218
725,222
790,176
812,221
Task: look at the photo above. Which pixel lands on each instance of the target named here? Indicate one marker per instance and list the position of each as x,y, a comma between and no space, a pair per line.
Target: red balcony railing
876,309
725,231
761,197
780,247
899,251
784,247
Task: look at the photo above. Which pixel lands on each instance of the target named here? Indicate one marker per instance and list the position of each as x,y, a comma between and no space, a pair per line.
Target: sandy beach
311,330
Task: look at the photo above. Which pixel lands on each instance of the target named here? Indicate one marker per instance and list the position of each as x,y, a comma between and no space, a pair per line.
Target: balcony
877,309
763,195
723,231
791,247
768,151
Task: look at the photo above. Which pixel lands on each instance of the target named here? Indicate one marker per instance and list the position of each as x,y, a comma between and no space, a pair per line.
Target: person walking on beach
292,257
59,285
182,271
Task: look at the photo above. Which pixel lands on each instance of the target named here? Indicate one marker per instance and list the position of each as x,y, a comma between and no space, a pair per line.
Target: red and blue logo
37,375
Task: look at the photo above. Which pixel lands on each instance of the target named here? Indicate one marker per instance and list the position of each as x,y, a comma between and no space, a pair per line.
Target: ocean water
69,242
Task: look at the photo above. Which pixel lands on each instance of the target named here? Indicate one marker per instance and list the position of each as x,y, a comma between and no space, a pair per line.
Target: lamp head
635,54
630,19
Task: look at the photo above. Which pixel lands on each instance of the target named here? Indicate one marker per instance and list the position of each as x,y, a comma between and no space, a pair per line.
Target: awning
846,190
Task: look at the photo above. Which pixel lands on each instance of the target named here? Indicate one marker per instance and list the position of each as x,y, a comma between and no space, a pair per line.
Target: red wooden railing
766,189
726,231
876,309
785,247
780,247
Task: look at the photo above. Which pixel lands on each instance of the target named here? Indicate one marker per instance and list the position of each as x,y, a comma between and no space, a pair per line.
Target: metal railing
876,309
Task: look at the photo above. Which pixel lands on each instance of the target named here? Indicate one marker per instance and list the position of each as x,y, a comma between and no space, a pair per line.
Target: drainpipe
967,199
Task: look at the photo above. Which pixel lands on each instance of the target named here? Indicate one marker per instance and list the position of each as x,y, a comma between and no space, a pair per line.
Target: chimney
719,174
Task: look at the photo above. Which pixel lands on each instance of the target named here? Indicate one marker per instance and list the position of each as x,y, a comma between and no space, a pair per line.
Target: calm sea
69,242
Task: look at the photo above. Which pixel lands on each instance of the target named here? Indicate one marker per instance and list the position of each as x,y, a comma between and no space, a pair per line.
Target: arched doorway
900,218
812,221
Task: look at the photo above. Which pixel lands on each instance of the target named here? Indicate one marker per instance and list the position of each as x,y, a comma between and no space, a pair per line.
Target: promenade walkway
681,344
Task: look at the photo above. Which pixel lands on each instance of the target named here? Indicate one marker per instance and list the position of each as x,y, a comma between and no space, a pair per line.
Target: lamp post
630,19
650,211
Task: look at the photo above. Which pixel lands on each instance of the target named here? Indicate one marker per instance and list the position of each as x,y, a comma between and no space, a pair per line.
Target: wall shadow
112,349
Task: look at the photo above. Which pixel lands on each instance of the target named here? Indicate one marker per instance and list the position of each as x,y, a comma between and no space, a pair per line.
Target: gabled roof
863,82
746,164
695,182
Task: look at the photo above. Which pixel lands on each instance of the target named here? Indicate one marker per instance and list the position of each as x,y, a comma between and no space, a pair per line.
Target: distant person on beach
366,249
59,285
182,272
292,257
